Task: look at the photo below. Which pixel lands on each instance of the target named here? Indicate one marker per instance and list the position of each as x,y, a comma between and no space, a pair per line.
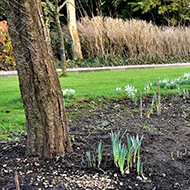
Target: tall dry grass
105,35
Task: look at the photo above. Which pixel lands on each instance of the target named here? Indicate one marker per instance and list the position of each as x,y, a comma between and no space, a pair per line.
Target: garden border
8,74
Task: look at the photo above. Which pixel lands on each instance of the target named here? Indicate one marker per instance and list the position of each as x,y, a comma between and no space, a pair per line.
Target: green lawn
104,83
89,85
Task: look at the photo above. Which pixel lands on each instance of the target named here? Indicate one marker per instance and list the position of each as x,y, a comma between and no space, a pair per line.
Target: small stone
139,178
115,175
36,164
121,183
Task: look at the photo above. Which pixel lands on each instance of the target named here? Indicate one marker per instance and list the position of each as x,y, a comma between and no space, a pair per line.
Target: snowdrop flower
72,91
65,91
186,74
165,81
118,88
68,90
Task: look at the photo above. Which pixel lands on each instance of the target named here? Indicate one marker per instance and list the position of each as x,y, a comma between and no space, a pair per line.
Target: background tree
55,9
71,16
76,48
47,130
174,12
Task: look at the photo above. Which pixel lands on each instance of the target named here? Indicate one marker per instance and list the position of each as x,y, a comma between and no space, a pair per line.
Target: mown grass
104,84
86,85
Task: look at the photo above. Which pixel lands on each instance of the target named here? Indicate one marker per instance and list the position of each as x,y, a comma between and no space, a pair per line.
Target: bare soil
165,151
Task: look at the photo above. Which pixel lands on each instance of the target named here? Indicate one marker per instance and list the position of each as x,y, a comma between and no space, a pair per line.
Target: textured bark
71,16
47,130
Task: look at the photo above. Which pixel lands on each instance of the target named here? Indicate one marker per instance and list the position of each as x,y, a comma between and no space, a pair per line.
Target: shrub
7,60
102,36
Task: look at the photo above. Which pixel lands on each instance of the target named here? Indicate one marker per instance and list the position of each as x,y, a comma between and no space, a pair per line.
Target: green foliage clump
122,153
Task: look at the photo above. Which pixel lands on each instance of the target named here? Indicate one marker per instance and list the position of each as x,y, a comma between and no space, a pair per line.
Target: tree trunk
47,130
71,16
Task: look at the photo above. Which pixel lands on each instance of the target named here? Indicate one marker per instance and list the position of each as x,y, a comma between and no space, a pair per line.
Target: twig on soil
16,181
105,172
87,136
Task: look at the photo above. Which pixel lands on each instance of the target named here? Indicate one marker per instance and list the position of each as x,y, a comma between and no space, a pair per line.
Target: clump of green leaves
121,155
136,146
116,140
124,153
88,156
185,93
92,160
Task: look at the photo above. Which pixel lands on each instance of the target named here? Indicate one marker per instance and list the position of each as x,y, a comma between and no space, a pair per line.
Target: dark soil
92,121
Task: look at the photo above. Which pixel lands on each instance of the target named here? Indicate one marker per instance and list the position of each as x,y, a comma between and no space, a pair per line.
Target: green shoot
115,141
149,112
89,159
185,94
141,172
139,147
99,153
172,155
121,153
136,146
178,154
153,99
129,154
72,138
138,167
94,160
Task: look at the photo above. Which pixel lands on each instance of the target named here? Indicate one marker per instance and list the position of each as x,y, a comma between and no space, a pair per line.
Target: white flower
72,91
65,91
68,90
118,88
165,81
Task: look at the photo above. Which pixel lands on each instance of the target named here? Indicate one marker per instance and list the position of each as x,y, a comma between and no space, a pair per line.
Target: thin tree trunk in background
47,130
62,46
71,16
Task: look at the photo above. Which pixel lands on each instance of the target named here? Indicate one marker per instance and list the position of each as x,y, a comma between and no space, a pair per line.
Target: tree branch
51,6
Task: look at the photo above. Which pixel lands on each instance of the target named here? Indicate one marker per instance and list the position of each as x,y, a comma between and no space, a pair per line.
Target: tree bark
71,16
47,130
